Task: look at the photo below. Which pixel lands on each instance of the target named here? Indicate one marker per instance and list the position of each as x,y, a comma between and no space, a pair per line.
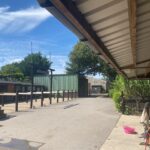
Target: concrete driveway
81,124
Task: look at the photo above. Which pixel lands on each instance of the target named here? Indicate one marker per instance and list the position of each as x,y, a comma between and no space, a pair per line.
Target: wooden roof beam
142,67
144,61
132,19
141,77
71,13
138,63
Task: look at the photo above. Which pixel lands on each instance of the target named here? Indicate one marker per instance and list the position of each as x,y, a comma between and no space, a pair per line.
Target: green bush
116,98
116,89
137,89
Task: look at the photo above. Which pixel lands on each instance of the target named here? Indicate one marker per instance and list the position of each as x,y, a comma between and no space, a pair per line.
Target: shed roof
117,30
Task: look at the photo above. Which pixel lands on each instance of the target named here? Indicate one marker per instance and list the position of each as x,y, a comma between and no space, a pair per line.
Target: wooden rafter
132,19
144,61
71,13
142,67
138,63
141,77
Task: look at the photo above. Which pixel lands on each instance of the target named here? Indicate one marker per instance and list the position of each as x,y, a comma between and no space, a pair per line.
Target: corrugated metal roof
114,31
121,29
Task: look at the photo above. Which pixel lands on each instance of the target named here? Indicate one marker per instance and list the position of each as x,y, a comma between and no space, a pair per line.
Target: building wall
93,82
12,87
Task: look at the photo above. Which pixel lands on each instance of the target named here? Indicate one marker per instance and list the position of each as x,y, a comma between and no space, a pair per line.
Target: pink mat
129,130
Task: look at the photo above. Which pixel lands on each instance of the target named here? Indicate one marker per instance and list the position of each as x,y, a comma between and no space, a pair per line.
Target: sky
23,22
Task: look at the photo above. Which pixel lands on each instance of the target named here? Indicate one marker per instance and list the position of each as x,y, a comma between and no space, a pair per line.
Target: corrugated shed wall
42,80
60,82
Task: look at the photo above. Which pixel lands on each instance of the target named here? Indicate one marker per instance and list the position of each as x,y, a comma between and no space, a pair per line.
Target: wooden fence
30,96
133,106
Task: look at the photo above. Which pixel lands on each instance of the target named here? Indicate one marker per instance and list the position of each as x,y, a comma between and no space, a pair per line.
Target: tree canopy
33,63
83,61
10,69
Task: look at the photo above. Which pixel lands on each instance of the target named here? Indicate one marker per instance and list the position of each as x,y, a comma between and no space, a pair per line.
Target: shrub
137,89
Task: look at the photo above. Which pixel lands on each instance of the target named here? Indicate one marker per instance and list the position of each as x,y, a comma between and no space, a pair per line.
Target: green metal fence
60,82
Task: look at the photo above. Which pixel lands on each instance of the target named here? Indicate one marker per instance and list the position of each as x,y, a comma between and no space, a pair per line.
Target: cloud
9,60
21,20
59,63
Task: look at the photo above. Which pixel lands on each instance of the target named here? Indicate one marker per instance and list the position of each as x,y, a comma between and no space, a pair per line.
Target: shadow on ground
7,117
19,144
98,95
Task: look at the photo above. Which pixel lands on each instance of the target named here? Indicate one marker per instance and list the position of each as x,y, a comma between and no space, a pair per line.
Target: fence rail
17,97
132,106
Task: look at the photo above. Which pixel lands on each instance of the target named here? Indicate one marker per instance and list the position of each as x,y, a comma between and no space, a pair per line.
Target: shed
64,82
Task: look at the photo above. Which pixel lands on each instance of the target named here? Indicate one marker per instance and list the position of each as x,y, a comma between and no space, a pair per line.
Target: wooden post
75,94
57,96
68,95
42,98
72,94
50,98
26,98
31,99
16,101
2,100
63,95
122,103
36,96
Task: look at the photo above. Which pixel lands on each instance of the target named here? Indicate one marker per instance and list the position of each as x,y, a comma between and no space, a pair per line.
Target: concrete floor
119,140
81,124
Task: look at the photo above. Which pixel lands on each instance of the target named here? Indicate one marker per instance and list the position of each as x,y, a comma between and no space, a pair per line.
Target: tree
83,61
34,62
10,69
31,63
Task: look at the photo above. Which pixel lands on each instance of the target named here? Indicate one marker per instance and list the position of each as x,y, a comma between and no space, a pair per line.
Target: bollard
42,98
63,95
57,96
16,101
